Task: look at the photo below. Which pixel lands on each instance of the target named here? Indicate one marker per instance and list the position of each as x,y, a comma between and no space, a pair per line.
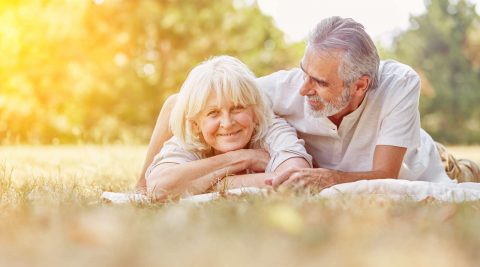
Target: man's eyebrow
301,67
318,81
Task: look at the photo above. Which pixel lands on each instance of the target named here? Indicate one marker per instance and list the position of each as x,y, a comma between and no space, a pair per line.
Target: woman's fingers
259,160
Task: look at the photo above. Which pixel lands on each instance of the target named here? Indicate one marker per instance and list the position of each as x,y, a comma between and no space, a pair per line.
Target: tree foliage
99,71
443,45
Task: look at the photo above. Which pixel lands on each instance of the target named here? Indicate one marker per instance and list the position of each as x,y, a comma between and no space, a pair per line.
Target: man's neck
354,104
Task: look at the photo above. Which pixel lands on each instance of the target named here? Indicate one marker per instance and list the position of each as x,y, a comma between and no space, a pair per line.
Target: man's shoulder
396,78
280,77
281,90
398,83
392,67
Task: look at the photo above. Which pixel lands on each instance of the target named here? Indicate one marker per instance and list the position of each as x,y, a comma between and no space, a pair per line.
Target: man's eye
321,83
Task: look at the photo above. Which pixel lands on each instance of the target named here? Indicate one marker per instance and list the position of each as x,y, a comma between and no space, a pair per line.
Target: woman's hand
255,160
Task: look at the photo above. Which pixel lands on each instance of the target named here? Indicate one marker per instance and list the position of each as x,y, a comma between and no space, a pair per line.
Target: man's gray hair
360,56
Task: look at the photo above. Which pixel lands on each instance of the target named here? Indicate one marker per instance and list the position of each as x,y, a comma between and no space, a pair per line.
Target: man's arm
387,161
400,129
161,133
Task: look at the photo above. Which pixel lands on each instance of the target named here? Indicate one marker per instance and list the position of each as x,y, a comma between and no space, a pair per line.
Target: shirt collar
350,120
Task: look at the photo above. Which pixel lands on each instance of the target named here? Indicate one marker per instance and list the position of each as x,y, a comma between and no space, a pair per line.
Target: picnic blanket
404,189
394,189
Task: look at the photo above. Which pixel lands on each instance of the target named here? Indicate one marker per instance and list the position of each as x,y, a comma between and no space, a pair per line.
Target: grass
51,215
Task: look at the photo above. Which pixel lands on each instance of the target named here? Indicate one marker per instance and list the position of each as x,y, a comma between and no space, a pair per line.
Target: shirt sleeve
267,85
281,89
400,125
282,144
172,152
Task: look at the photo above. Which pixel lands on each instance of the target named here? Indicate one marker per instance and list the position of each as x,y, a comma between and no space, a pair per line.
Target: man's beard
329,108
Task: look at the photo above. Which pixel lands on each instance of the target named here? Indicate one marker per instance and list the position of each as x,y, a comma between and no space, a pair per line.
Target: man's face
324,91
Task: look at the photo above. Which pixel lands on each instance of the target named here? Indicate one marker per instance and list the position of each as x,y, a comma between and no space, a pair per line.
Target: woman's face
224,126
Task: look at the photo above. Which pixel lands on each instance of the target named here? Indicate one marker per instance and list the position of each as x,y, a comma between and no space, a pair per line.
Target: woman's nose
226,121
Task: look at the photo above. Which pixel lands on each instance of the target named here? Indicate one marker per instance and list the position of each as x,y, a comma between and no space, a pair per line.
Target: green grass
51,215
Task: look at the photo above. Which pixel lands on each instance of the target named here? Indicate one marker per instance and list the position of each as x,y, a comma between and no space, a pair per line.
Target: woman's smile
229,134
226,126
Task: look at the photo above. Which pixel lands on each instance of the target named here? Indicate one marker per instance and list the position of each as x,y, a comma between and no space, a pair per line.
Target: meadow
51,214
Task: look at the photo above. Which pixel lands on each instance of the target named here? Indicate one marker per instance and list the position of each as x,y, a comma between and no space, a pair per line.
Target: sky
381,18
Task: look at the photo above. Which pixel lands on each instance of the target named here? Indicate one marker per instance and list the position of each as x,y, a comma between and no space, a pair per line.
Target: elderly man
358,116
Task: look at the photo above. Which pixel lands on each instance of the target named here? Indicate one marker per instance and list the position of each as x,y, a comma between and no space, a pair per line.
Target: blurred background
83,71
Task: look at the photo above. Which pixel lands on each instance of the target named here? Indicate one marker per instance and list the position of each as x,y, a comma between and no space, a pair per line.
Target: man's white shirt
388,115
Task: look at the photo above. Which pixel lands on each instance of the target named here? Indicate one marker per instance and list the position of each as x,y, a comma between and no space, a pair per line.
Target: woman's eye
238,108
212,113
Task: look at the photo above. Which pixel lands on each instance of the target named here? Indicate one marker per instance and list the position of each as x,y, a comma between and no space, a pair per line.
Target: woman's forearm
196,176
244,180
258,179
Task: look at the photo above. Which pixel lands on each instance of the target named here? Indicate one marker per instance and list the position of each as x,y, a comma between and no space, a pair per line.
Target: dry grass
50,215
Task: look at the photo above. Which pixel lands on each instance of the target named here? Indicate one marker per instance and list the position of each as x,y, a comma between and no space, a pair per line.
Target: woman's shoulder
175,147
280,135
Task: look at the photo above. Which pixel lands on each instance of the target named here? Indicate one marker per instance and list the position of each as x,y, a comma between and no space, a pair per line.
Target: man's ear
361,85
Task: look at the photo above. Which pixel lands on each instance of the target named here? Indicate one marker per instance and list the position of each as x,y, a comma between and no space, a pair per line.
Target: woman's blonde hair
228,78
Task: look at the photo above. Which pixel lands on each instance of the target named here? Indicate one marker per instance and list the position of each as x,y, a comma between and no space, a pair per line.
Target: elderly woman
224,135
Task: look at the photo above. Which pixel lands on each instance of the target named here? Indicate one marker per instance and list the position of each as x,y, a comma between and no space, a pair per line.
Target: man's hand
387,161
309,178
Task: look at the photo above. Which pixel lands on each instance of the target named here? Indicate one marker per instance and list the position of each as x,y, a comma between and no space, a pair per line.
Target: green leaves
441,46
105,67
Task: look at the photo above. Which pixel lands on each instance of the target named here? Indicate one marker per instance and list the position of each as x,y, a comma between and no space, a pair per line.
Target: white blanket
387,188
404,189
114,197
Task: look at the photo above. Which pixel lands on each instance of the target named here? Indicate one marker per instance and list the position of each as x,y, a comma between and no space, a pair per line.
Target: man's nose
307,88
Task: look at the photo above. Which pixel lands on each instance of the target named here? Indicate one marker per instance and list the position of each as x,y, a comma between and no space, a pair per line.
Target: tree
439,44
99,71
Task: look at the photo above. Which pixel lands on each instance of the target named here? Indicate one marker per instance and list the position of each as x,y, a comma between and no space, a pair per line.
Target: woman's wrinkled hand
255,160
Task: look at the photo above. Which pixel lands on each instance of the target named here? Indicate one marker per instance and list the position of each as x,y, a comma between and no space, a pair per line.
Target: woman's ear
195,127
255,120
254,116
